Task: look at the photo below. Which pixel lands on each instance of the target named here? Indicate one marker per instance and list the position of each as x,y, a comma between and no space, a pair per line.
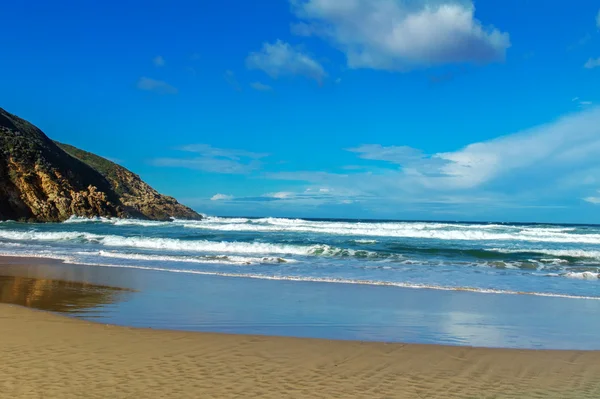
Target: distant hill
41,180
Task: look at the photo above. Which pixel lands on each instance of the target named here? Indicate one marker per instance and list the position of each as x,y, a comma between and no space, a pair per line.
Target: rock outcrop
40,181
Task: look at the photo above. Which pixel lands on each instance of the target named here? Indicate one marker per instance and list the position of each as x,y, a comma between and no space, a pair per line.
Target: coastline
52,356
45,354
217,304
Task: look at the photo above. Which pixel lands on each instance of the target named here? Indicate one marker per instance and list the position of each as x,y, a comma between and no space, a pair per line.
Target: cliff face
133,192
39,181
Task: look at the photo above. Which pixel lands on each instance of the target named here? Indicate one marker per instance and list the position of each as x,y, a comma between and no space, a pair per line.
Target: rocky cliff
41,180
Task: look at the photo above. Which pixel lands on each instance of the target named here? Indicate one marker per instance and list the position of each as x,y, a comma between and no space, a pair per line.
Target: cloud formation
592,63
557,161
221,197
401,35
158,61
261,86
215,160
592,200
209,151
393,154
598,19
281,59
156,86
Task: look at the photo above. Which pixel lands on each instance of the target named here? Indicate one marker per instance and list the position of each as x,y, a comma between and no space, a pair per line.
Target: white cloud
221,197
592,200
215,160
400,35
157,86
260,86
158,61
208,150
393,154
557,161
280,195
212,165
592,63
563,143
281,59
581,103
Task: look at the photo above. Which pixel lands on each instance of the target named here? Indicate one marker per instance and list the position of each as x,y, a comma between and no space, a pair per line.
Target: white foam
365,241
426,230
583,275
440,231
222,259
172,244
33,235
572,253
116,221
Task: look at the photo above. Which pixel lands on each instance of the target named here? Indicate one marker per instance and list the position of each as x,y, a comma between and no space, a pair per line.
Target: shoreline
28,258
350,313
54,356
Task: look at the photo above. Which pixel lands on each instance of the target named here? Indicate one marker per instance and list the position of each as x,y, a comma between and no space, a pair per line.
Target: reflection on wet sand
57,295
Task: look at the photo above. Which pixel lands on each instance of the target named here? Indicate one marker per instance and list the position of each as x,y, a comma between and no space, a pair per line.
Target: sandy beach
49,356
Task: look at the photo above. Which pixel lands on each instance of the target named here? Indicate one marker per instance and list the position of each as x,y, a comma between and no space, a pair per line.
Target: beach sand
44,355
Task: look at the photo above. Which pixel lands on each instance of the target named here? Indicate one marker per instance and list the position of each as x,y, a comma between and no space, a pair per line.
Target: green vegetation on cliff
41,180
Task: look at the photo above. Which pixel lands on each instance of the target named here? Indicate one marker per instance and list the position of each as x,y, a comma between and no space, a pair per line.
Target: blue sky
406,109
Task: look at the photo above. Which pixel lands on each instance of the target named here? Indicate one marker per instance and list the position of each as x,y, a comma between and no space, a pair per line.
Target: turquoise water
540,260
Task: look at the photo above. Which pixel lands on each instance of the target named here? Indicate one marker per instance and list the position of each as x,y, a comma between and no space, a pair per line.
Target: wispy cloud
209,151
221,197
158,61
156,86
598,19
261,86
529,169
215,160
592,63
281,59
280,195
401,35
592,200
394,154
581,103
232,80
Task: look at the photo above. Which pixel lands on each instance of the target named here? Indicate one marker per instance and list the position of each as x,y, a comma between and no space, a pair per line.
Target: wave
439,231
565,253
116,221
583,275
219,259
172,244
420,230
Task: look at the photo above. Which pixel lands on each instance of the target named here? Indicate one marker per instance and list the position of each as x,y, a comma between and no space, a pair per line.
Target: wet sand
49,356
45,355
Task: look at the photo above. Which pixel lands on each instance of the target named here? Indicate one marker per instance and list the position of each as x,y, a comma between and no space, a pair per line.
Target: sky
387,109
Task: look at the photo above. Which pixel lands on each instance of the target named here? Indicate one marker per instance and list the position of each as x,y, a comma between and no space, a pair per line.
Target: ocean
524,259
479,284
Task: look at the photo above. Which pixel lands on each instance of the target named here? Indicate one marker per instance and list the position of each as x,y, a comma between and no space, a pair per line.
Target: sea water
512,259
